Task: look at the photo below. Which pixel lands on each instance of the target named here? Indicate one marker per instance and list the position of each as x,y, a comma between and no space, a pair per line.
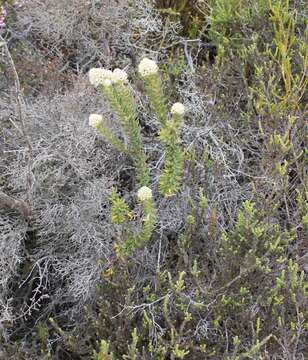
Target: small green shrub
189,12
115,88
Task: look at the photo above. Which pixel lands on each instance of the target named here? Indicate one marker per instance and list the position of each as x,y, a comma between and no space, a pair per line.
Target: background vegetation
224,272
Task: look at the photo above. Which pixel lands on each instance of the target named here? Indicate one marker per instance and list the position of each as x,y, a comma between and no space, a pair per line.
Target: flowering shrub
114,85
152,237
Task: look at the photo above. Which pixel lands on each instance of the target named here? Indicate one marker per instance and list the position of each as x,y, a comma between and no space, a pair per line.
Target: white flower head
107,82
144,193
178,109
119,76
95,120
98,76
147,67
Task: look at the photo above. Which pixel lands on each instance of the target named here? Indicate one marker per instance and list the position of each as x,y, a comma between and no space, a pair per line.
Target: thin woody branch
8,202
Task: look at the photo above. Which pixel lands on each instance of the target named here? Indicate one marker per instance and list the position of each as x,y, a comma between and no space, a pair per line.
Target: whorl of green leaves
122,102
111,138
171,177
156,96
136,240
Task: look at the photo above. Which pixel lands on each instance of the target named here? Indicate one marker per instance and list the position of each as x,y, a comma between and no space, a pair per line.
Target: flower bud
95,120
147,67
178,109
98,76
119,76
144,193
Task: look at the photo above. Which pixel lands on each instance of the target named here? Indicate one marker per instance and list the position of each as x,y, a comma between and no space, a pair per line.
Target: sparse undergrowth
213,263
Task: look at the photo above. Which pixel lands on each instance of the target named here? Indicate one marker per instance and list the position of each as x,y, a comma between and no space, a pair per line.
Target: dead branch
8,202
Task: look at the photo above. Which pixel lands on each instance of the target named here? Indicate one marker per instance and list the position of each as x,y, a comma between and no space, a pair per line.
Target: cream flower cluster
178,109
95,120
100,76
147,67
119,76
144,193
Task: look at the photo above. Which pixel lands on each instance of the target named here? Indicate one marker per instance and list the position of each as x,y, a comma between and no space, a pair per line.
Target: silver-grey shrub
68,233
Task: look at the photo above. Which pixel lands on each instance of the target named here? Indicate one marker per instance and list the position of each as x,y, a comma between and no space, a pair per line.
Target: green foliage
228,19
169,136
6,2
156,96
132,348
120,211
171,177
111,138
132,240
123,103
103,353
254,240
189,12
149,220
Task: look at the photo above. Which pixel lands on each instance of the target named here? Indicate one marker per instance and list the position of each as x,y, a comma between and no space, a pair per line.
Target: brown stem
8,202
